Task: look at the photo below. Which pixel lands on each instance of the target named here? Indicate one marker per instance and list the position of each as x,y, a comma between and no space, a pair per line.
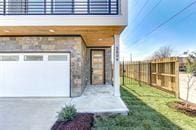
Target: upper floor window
14,6
64,7
81,6
36,6
100,7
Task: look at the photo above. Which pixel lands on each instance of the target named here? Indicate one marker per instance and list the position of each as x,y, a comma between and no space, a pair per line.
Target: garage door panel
35,78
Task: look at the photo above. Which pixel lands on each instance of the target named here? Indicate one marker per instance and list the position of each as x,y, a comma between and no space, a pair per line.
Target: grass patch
148,110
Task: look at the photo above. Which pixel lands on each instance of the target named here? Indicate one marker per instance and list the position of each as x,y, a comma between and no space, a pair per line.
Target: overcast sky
146,15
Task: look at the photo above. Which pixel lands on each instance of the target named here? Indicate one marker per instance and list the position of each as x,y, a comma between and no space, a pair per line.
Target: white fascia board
60,20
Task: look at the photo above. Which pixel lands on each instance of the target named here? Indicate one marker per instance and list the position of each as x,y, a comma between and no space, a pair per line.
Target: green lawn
148,110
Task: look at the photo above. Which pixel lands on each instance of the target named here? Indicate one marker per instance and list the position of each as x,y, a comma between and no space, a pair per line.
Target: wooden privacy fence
160,73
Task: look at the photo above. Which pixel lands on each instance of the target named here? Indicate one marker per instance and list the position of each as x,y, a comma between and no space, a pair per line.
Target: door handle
91,70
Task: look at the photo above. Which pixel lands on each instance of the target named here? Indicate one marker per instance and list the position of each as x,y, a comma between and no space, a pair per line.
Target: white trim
117,65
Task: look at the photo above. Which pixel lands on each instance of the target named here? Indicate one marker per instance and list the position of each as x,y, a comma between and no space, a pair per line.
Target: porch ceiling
92,35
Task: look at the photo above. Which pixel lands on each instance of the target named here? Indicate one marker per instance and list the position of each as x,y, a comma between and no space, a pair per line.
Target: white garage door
34,74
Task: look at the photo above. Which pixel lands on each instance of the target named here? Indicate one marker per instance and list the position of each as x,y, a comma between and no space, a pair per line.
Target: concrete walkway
40,113
100,99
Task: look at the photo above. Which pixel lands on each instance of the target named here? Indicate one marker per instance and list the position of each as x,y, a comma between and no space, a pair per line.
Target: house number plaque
117,53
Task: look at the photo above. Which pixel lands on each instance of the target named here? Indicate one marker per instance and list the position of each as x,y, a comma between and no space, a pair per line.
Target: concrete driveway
40,113
29,113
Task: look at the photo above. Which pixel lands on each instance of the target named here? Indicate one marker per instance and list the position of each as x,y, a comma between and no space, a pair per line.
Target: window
81,6
33,58
9,58
97,7
36,6
57,58
114,7
1,6
63,6
15,6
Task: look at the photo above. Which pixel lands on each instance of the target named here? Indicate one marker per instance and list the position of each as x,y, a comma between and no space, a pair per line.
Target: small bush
68,113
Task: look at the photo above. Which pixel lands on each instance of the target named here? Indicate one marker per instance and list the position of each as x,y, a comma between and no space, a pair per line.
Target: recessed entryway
35,75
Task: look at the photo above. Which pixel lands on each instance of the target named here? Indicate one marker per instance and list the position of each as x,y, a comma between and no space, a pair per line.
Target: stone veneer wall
83,66
108,65
75,45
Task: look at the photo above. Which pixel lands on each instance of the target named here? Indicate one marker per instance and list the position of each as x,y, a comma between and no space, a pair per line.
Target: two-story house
55,48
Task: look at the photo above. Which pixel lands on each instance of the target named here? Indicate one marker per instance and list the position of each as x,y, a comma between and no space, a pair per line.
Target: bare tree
190,70
163,52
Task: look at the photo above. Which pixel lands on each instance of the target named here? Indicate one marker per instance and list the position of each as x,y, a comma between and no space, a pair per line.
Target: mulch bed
180,106
83,121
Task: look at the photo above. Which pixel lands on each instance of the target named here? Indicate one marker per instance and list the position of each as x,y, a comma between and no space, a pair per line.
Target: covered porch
99,99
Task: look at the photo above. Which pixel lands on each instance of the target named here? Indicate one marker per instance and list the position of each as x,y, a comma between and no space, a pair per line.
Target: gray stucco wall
75,45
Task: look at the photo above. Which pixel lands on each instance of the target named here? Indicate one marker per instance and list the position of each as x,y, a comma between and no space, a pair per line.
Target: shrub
83,121
67,113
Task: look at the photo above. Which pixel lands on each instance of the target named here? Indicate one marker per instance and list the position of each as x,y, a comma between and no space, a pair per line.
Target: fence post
157,72
177,78
123,70
149,73
128,71
139,72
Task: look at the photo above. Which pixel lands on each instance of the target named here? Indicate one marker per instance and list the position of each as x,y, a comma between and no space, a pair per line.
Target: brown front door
97,67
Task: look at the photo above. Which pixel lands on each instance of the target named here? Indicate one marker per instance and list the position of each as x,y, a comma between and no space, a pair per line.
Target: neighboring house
55,48
182,63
